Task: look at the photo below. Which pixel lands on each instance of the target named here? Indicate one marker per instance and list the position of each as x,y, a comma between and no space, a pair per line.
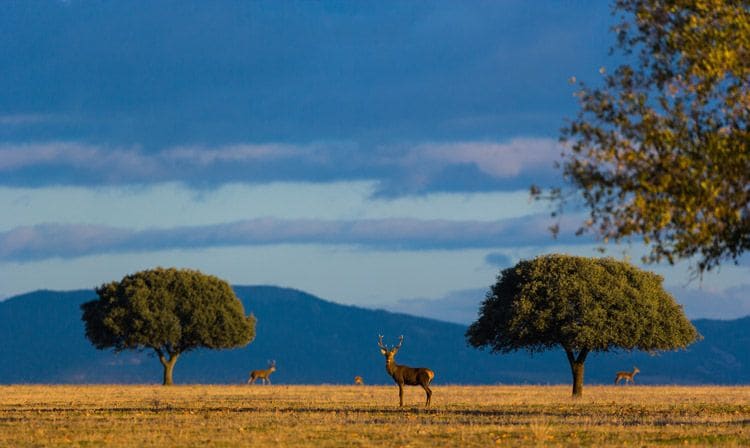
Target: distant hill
317,341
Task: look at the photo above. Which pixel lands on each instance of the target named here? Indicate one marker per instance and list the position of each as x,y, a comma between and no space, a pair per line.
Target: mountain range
316,341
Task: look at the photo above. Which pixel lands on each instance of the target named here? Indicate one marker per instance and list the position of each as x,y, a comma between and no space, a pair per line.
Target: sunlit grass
370,416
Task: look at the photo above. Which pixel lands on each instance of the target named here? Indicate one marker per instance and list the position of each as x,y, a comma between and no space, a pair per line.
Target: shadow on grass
510,415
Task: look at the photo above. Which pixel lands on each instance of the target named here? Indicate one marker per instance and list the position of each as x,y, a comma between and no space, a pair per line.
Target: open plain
281,415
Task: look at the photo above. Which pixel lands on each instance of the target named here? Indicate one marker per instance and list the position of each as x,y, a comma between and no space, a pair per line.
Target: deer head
389,354
272,365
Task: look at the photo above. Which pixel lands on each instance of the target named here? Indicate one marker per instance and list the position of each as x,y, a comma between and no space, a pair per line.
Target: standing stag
410,376
627,376
263,375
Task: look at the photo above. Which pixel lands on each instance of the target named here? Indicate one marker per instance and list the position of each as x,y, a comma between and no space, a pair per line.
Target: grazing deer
403,374
358,380
627,376
263,375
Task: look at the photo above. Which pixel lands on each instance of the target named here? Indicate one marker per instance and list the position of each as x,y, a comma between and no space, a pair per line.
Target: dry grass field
349,416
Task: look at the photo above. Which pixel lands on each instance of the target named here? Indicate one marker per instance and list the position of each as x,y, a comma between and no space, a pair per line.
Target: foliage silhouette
170,311
582,305
662,149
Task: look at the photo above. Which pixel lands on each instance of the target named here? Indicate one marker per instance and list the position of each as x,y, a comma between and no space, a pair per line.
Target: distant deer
403,374
263,375
627,376
358,380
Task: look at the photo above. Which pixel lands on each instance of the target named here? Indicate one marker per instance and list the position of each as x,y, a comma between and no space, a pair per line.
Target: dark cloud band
397,170
43,241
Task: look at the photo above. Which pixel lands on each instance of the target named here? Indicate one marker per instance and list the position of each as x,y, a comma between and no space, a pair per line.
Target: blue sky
374,154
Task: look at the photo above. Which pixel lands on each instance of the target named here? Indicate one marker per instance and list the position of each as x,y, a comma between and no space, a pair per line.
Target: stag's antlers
385,347
380,343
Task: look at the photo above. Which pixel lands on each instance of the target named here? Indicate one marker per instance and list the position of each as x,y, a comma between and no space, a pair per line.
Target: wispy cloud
28,243
75,163
468,166
499,160
206,156
398,170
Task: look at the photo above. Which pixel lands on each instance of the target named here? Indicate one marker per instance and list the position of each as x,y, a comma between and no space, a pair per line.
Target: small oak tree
582,305
661,149
170,311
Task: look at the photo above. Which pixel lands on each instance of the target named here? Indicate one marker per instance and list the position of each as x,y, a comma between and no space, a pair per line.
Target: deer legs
427,391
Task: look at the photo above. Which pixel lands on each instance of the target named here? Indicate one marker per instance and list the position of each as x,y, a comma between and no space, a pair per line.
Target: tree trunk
168,367
576,368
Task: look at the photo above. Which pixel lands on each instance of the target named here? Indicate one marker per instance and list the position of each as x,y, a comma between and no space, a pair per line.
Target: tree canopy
171,311
661,149
582,305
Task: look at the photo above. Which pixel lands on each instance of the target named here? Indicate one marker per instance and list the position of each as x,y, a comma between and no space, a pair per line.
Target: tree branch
571,356
582,356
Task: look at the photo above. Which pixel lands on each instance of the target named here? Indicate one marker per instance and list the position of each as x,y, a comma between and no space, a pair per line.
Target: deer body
405,375
627,376
263,375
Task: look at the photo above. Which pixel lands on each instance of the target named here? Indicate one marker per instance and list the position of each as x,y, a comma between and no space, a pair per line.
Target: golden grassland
300,416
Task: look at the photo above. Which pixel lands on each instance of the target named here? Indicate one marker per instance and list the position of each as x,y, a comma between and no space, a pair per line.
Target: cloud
75,163
27,243
470,166
397,169
204,156
227,72
494,159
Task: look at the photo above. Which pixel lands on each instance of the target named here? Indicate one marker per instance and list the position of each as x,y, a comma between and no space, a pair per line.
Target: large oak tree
661,149
170,311
582,305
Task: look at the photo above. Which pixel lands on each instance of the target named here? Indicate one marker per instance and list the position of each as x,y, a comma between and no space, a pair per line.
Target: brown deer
263,375
358,380
403,374
627,376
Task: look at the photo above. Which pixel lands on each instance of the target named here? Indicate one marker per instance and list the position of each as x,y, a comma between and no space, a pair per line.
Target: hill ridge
315,341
